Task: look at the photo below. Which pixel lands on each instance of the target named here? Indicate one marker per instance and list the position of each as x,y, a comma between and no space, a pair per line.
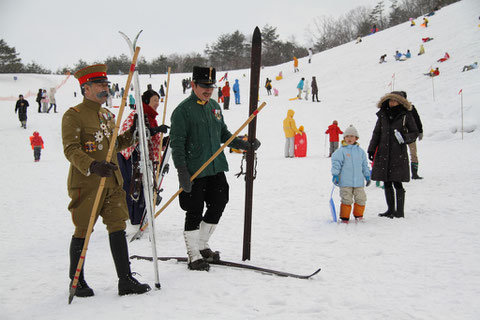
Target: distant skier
382,58
314,89
236,91
290,130
53,101
268,86
422,50
470,67
36,142
300,88
21,109
445,57
310,54
295,64
333,130
226,95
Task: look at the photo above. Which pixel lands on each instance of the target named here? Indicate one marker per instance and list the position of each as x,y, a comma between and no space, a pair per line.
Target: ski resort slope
422,267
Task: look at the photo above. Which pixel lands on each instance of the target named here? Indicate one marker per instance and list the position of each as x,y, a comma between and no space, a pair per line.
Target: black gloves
103,168
244,145
184,179
154,130
371,156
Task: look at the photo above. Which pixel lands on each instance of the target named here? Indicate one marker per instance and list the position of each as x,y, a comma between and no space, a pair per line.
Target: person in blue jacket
300,88
236,91
349,170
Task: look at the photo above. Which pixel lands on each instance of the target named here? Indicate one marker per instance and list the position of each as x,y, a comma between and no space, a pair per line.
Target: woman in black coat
389,155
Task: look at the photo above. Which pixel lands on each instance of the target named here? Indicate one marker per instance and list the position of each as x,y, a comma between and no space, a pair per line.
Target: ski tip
256,34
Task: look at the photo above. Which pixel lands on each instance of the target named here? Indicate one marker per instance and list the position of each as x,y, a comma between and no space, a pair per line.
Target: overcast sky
57,33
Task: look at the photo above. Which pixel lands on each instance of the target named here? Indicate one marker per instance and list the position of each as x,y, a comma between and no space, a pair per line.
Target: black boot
399,213
390,198
126,283
76,247
414,167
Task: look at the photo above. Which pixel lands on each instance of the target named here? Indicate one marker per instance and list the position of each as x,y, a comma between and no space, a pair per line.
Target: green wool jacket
87,130
197,132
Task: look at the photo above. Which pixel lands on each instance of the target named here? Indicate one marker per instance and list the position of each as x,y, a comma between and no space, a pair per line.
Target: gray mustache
102,94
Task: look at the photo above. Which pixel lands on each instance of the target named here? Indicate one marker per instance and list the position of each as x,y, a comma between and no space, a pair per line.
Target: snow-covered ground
422,267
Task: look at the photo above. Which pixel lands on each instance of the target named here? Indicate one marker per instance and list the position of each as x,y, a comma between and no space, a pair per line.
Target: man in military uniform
197,132
87,130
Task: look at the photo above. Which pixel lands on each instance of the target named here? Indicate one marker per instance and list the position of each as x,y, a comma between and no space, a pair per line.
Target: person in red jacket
226,95
333,130
36,142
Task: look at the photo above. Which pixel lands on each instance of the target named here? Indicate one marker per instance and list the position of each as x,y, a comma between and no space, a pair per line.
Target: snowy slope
420,267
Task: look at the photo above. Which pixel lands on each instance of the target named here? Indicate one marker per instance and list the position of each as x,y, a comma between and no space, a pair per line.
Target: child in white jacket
349,170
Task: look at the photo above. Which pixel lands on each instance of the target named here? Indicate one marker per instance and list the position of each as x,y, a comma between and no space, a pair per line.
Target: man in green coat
197,132
87,130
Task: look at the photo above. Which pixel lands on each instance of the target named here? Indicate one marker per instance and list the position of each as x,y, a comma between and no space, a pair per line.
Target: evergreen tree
9,60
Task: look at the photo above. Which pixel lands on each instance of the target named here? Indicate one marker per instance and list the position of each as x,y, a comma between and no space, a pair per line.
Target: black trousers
212,191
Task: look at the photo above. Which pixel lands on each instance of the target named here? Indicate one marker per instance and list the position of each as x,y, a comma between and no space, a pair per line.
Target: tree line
231,51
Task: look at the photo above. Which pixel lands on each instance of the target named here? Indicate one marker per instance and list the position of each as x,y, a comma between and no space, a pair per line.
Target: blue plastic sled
332,206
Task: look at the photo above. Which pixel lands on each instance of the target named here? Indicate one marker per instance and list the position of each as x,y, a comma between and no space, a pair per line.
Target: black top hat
204,77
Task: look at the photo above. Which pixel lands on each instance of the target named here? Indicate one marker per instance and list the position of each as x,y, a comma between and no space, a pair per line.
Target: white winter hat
351,131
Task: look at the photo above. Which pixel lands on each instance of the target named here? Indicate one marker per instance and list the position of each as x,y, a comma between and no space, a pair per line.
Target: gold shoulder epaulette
75,108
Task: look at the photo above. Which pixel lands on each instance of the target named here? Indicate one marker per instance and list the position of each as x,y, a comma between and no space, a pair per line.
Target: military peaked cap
96,73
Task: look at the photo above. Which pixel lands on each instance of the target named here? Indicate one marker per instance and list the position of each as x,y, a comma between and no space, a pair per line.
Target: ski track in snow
420,267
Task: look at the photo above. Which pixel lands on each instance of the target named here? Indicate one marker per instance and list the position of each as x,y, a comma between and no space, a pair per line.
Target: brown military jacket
87,130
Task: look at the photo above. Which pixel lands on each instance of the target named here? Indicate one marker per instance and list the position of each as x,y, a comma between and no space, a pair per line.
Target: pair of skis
146,166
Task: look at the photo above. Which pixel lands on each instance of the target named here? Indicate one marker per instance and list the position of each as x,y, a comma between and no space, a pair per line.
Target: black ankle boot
399,213
127,284
390,198
76,247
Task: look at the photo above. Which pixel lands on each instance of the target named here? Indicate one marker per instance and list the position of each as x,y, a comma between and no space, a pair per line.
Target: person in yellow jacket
290,129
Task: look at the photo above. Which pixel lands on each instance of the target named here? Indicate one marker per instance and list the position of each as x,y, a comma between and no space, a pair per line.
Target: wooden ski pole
161,139
253,115
103,179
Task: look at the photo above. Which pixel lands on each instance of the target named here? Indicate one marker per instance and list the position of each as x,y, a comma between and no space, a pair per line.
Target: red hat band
92,76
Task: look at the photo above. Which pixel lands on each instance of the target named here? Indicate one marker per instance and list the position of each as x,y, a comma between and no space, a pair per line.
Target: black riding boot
390,198
126,283
400,203
76,247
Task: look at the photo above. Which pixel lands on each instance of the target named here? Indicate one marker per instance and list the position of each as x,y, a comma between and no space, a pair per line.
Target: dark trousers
39,106
226,102
212,191
37,150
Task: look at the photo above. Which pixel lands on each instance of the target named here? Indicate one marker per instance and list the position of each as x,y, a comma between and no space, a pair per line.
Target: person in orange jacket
290,129
295,64
226,95
36,142
333,130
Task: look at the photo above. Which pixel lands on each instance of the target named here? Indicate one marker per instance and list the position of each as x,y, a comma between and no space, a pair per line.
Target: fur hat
351,131
397,96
